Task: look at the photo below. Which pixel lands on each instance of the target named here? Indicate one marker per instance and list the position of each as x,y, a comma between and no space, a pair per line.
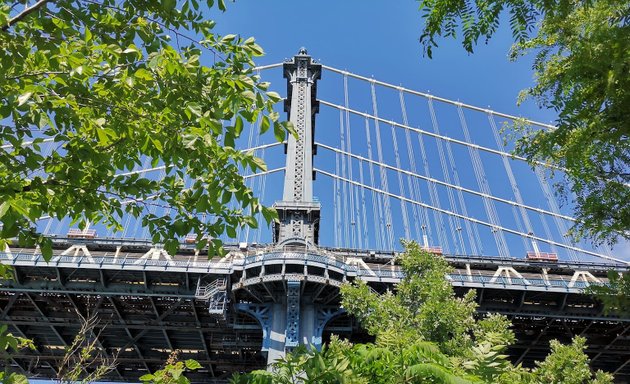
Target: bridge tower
298,213
295,316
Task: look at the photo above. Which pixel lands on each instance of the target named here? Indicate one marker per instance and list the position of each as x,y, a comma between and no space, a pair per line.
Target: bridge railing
347,266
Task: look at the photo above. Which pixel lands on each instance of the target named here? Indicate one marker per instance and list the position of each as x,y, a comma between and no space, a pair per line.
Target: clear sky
380,39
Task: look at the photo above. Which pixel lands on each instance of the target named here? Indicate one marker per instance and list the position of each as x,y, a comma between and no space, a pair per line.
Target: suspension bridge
385,163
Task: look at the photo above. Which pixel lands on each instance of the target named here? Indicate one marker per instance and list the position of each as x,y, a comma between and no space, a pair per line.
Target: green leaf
228,39
249,95
258,163
288,126
194,108
20,207
270,214
274,96
45,247
15,378
4,207
169,5
238,126
279,132
264,124
143,74
226,197
131,49
193,364
23,98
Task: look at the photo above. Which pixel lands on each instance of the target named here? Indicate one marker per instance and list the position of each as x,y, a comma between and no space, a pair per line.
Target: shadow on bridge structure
391,163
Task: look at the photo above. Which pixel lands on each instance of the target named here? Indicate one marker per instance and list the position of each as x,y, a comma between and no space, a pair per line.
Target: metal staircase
215,294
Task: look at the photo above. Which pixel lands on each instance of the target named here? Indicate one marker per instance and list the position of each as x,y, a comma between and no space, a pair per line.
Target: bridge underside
539,317
144,315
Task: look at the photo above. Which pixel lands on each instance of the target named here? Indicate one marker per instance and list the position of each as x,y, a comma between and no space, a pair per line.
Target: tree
582,71
568,364
424,333
112,83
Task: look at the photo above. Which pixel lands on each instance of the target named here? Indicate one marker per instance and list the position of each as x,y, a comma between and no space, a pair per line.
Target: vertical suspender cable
480,175
543,220
46,153
49,222
60,226
354,220
435,200
403,204
152,209
453,222
514,185
127,226
414,188
471,230
262,200
553,205
475,230
345,186
383,172
252,182
376,207
336,204
360,238
519,226
363,210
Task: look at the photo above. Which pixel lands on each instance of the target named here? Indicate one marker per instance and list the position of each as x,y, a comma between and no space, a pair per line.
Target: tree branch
27,11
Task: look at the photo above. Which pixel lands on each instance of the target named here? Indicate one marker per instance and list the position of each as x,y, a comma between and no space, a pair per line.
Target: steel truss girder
208,338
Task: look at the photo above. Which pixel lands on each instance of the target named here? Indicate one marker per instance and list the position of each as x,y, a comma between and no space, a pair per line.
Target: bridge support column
293,314
294,321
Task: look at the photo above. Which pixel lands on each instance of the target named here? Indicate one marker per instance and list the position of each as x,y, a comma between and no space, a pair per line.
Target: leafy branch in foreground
84,361
582,71
9,344
616,294
117,86
172,373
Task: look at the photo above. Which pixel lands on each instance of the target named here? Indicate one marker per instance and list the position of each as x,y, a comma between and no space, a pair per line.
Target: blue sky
380,40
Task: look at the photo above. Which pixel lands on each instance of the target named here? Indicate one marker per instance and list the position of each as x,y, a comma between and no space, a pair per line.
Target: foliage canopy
117,85
582,71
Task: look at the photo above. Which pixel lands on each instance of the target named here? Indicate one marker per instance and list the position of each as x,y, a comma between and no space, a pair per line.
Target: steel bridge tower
298,213
293,319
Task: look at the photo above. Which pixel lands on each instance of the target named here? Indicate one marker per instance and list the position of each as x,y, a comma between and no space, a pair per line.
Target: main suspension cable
441,99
